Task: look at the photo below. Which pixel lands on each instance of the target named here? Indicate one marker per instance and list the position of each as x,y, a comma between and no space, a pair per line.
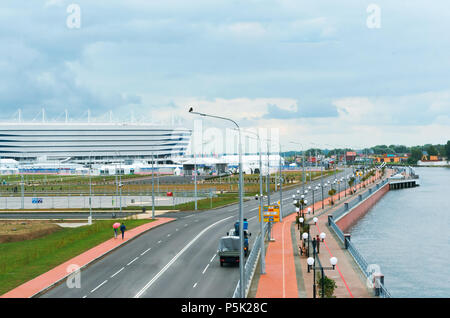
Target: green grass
25,260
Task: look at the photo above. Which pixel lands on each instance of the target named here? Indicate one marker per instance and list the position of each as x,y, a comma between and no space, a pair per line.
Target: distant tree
447,150
416,155
431,150
400,149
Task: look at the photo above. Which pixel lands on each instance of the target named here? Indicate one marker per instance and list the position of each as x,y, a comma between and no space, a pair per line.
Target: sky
348,73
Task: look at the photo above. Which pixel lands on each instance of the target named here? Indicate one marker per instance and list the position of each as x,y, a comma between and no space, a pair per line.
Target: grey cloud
307,110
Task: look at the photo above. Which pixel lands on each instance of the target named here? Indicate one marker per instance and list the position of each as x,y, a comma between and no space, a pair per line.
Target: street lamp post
311,264
153,187
261,197
241,195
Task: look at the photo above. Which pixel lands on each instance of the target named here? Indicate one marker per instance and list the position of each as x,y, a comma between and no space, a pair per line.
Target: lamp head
191,109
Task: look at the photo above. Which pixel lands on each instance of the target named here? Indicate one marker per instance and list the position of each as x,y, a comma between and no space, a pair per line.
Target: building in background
91,143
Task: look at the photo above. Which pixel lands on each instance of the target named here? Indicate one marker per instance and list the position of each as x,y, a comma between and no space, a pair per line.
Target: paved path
281,281
60,272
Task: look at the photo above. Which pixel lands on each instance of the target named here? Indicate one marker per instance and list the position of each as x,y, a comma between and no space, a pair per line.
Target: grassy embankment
25,260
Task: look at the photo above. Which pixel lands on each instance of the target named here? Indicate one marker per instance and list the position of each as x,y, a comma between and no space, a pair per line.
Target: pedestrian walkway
55,275
281,281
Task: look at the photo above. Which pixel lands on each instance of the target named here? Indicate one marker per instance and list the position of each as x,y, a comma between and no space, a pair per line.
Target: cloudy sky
318,71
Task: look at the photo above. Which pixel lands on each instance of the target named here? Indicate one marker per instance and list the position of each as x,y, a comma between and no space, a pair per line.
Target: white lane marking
117,272
212,258
159,242
205,269
132,261
84,296
254,208
150,283
146,251
99,286
252,217
195,285
168,235
176,230
185,225
188,216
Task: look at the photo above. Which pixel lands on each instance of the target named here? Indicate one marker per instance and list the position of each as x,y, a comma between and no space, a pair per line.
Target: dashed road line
205,269
195,285
117,272
132,261
212,258
146,251
99,286
161,272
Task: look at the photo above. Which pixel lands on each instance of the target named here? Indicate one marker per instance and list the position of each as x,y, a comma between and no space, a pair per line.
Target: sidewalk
281,281
55,275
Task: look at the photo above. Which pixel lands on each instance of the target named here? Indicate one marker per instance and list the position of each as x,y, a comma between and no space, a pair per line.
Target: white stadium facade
91,142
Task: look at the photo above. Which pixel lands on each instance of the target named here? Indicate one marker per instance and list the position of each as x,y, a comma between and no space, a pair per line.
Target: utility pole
281,188
153,186
268,174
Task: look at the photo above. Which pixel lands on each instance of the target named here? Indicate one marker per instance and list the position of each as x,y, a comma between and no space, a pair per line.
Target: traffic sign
271,213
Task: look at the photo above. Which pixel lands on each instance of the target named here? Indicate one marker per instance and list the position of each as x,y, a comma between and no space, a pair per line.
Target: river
407,233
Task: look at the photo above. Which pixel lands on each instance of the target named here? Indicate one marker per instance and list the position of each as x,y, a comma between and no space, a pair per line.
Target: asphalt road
176,260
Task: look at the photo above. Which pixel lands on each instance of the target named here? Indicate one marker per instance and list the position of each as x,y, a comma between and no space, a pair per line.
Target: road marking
212,258
188,216
132,261
252,218
146,251
117,272
168,235
159,242
99,286
150,283
195,285
185,225
84,296
176,230
205,269
254,208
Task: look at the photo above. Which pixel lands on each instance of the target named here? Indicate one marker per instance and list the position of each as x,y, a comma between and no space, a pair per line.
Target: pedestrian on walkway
122,229
115,233
314,243
318,244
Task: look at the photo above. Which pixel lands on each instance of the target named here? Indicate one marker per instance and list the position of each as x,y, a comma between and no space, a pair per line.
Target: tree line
415,152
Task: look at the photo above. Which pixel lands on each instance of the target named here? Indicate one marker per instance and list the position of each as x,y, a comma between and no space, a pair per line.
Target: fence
380,289
252,261
250,264
351,204
78,201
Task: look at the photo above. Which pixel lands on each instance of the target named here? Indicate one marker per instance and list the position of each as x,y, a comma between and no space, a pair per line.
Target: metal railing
250,264
357,256
351,204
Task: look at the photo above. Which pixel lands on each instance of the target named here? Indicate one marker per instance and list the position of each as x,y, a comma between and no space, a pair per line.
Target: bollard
378,280
346,206
330,218
347,237
359,197
370,191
